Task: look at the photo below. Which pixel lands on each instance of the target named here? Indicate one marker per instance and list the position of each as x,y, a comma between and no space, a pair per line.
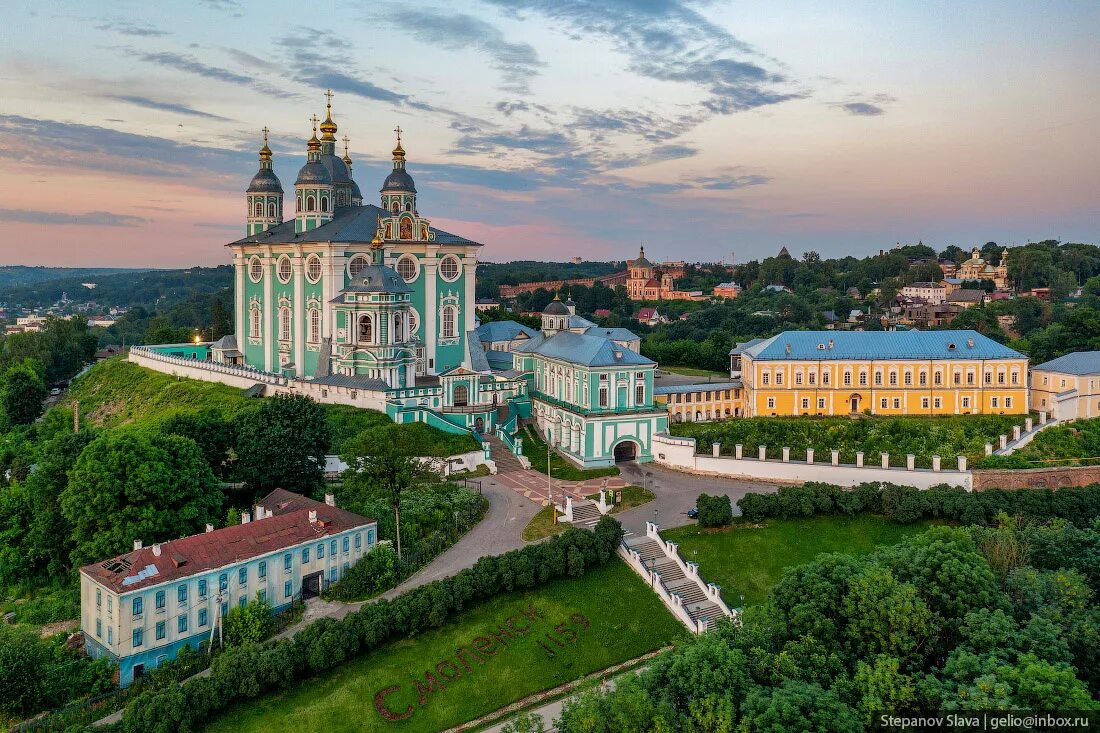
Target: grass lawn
633,496
117,392
534,447
693,372
749,559
542,525
625,619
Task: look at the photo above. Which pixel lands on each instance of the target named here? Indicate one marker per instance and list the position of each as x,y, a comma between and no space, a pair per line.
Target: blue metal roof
743,346
615,334
864,345
503,331
700,387
1079,362
592,351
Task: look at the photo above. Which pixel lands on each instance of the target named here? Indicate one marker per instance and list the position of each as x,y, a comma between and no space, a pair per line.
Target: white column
240,326
431,305
299,317
469,266
270,338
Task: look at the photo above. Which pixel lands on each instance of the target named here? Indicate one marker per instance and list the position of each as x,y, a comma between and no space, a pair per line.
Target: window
966,402
370,537
771,403
225,608
414,320
447,322
398,337
255,269
805,403
884,403
346,544
202,617
765,378
603,395
958,378
923,380
181,594
160,630
878,379
358,262
1001,379
407,268
286,589
937,403
98,598
259,208
989,377
993,402
358,541
847,378
286,562
1008,402
160,600
272,210
366,329
242,601
908,379
813,377
283,269
893,379
110,635
262,595
254,322
137,637
332,575
1015,377
110,600
798,378
202,588
448,268
262,570
314,326
311,202
938,378
305,554
324,203
970,377
825,377
137,606
924,402
897,403
223,581
821,403
313,268
332,547
242,576
779,377
320,550
284,324
863,379
639,394
99,627
181,624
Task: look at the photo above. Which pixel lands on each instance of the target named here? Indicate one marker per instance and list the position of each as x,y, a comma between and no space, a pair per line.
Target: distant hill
150,288
11,275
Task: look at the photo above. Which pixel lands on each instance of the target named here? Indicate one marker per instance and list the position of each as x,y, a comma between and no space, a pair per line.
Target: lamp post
655,518
554,420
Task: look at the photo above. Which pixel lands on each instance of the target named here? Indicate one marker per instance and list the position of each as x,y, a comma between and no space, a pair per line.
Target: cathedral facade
346,287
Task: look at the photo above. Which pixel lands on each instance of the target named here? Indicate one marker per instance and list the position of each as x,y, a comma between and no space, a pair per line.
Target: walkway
535,486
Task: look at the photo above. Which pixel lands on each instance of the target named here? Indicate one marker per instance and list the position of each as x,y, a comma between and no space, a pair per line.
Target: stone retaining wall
1055,477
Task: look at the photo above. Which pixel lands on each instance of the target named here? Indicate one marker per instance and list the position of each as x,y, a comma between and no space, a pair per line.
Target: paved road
676,493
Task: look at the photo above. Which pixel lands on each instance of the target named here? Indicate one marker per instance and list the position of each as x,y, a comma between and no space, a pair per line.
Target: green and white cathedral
317,296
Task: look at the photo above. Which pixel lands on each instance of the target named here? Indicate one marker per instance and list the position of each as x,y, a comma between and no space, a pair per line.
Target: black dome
556,308
313,172
399,180
265,181
336,169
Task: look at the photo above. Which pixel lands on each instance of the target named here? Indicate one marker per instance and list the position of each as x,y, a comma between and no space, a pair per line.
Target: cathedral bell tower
398,190
313,189
264,195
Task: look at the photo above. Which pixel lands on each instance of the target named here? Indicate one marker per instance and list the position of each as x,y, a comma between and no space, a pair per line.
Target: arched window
284,324
462,395
254,316
847,378
311,203
893,379
395,207
366,329
908,378
259,208
324,203
408,206
272,210
313,268
397,335
314,326
283,269
448,322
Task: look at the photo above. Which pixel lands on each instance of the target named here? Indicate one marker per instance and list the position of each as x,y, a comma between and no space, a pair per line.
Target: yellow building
1067,387
700,402
880,373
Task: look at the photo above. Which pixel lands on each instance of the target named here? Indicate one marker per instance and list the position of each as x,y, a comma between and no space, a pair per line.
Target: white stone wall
679,454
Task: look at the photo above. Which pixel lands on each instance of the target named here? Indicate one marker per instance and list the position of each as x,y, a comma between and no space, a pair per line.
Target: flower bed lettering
478,652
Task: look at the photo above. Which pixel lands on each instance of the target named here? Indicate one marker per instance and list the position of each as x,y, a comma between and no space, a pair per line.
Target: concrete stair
506,460
585,514
647,549
708,610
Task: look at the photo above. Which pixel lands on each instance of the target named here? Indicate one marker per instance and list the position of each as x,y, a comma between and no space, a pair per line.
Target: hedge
248,671
906,504
714,511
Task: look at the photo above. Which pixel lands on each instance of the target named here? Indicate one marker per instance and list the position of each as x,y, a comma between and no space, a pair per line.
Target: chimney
312,516
209,527
156,550
137,544
259,512
830,343
330,499
245,518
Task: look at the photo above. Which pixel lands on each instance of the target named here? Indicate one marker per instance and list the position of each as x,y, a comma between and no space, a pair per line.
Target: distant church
346,287
976,268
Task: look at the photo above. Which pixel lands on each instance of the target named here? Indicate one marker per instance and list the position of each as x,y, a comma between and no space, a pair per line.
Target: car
693,513
55,392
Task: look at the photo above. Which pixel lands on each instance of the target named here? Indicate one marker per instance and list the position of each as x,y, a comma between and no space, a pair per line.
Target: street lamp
554,420
655,518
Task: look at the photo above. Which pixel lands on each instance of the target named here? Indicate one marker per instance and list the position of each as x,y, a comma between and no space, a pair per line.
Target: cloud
646,125
518,63
191,65
866,106
163,106
91,218
547,142
657,154
321,60
130,28
246,59
732,182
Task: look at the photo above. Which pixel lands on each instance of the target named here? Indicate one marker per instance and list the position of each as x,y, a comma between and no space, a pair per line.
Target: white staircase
692,600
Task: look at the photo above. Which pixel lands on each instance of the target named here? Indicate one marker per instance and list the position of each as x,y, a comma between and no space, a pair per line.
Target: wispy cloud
131,28
91,218
731,182
863,106
191,65
163,106
320,60
518,63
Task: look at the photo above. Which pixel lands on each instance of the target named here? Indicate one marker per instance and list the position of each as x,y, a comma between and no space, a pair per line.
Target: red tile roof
287,525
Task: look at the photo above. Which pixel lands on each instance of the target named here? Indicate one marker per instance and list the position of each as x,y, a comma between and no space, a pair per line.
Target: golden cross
346,144
398,131
313,119
328,93
265,131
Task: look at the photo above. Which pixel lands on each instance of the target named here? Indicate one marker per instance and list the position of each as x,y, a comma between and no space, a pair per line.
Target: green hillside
116,392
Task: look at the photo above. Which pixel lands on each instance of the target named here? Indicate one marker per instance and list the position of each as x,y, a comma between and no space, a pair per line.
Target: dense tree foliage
130,484
63,347
36,673
22,391
282,444
924,625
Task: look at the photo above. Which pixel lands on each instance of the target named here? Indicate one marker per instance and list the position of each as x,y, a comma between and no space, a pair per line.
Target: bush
714,511
906,504
247,624
247,671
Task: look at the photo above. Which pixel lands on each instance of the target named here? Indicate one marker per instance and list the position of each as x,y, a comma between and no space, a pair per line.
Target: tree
282,443
797,706
247,624
129,484
714,511
379,465
23,392
24,659
212,432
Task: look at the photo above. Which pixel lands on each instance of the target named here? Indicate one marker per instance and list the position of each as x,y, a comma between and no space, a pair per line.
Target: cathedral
976,268
346,287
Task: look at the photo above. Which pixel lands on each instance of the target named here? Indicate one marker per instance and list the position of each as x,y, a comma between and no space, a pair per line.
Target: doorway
311,585
626,451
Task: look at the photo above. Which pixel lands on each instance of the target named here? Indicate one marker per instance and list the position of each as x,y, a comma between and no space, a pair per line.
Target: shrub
714,511
247,624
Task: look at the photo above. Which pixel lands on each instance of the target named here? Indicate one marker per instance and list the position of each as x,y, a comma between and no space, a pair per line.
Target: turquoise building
141,608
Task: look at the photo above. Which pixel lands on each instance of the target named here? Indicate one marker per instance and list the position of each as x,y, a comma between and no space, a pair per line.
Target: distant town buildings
647,281
727,290
976,268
